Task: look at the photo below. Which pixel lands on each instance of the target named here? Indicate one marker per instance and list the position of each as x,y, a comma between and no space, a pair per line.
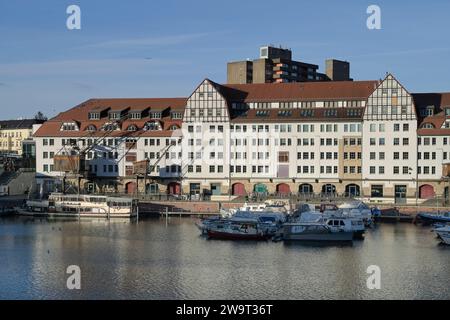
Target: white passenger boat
92,206
444,234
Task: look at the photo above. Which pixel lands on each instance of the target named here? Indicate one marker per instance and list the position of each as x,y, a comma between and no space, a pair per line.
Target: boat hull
212,234
331,237
23,212
432,218
444,236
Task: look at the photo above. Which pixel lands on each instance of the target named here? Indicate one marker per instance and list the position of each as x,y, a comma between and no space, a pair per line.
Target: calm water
122,260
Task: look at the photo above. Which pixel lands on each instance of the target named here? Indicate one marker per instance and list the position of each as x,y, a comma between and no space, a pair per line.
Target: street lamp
417,185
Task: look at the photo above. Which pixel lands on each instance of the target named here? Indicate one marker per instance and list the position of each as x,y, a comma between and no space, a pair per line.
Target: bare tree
40,116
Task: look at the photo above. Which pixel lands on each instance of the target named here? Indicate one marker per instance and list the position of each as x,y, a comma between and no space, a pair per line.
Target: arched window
69,126
428,126
91,128
153,125
132,127
110,127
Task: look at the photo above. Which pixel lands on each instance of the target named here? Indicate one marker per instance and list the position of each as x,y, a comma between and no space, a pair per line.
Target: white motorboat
444,234
91,206
335,219
238,228
357,209
268,206
268,222
314,231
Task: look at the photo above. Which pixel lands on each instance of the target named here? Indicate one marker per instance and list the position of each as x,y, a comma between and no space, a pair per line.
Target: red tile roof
80,114
299,91
440,101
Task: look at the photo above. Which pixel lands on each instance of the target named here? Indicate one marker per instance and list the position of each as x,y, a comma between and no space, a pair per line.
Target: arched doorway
305,188
130,187
260,188
328,189
352,190
152,188
238,190
174,188
426,192
283,189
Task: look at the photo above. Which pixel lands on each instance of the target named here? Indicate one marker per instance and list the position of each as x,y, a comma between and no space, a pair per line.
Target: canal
152,260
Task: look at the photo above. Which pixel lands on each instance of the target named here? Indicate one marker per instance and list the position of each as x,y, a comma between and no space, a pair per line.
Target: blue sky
156,48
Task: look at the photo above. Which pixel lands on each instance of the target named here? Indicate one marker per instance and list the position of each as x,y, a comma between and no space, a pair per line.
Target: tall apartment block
275,65
337,70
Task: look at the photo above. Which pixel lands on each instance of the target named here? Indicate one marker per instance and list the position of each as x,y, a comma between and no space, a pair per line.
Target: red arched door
174,188
130,187
283,188
426,192
239,189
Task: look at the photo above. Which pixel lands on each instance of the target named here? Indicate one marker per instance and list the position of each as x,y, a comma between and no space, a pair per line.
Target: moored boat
304,231
443,234
432,218
336,220
90,206
237,229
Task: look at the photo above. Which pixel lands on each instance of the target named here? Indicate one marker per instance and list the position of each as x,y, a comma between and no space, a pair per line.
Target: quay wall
213,207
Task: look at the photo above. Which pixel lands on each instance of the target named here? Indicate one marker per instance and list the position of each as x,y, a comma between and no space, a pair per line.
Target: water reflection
147,260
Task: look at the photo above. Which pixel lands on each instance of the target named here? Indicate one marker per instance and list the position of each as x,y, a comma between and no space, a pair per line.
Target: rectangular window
283,157
376,191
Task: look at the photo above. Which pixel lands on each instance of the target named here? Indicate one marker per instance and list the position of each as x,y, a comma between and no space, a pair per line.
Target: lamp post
416,185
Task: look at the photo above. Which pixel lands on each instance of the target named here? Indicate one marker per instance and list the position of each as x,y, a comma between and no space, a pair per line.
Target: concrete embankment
205,207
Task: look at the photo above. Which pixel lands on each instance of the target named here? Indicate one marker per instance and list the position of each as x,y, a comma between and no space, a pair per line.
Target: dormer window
428,111
153,125
307,113
135,115
284,113
174,127
177,115
69,126
132,127
330,113
114,116
262,113
94,116
110,127
447,111
155,115
427,126
91,128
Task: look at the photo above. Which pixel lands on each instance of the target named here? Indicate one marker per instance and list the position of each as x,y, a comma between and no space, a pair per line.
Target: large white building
368,138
